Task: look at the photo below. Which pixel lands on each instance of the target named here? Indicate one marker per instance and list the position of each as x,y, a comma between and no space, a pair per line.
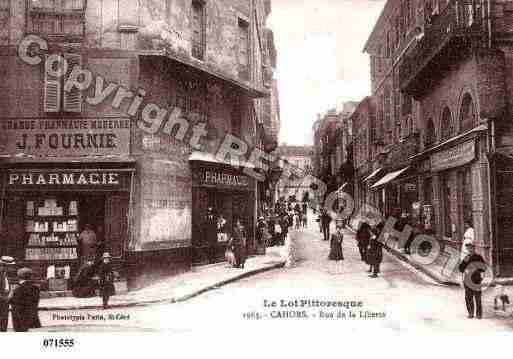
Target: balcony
59,20
445,41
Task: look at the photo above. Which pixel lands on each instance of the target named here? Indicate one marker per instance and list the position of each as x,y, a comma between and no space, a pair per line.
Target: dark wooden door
116,224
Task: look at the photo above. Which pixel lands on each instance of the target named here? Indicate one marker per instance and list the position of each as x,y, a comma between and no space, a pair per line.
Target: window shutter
52,93
73,98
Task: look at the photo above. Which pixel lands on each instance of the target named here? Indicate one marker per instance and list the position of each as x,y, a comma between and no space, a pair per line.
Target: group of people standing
371,250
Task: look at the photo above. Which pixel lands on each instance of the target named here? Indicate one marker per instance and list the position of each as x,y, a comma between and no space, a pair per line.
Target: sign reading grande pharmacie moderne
65,137
63,179
456,156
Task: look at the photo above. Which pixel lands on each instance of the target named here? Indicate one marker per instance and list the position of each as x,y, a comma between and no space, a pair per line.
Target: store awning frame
372,175
198,156
389,177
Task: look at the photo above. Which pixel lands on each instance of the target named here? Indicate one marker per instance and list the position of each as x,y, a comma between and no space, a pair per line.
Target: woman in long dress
336,253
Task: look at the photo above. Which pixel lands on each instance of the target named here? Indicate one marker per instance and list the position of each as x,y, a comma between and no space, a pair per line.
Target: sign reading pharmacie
455,156
222,178
64,137
67,179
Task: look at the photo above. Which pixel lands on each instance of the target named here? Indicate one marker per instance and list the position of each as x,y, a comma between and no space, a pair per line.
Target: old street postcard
235,166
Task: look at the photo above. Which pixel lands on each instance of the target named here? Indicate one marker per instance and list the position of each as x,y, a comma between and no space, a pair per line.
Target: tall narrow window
56,99
467,114
430,134
446,197
198,29
447,124
244,50
466,187
5,12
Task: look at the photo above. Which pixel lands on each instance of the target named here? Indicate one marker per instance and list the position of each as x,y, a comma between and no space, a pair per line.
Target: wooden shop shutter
52,93
73,98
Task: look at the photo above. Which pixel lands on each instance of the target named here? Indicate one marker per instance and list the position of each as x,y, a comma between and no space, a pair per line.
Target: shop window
56,99
468,114
446,124
198,29
244,50
446,198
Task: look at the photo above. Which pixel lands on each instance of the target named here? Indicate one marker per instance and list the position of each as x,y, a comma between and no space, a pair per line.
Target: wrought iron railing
458,19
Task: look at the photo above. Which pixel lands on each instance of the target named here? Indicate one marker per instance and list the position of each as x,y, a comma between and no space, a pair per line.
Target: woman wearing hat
25,301
106,283
5,290
336,253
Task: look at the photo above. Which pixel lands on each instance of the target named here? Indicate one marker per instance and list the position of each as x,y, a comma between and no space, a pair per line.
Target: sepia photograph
182,167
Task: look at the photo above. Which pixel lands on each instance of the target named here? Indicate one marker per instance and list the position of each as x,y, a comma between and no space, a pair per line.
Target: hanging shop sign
456,156
65,137
47,180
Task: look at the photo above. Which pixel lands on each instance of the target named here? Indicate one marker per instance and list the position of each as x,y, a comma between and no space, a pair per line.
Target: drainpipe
490,141
489,24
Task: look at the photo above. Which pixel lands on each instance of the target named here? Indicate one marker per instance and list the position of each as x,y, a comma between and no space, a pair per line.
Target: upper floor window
63,18
198,29
446,124
56,99
244,50
5,12
467,114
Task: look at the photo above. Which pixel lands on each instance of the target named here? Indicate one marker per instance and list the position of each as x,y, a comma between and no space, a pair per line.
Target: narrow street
407,301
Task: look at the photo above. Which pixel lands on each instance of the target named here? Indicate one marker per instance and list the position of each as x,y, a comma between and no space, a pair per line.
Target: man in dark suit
106,275
210,233
24,301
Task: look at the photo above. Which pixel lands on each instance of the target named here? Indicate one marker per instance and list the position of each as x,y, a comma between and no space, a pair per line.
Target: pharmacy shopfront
45,207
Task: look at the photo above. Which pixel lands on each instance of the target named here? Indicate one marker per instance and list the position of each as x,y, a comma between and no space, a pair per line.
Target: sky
321,63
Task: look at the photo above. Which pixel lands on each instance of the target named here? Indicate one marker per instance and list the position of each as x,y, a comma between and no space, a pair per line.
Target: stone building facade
440,75
171,79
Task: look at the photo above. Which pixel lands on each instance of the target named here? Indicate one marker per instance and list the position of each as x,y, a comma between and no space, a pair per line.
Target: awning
199,156
372,175
389,177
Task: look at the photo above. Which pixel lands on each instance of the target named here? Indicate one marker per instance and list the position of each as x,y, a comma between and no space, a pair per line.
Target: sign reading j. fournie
65,137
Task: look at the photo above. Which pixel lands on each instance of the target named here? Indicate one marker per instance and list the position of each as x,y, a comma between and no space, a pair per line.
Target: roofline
377,25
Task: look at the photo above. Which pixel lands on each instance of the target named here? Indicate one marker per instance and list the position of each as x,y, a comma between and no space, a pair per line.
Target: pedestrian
210,234
106,279
297,220
284,226
5,291
375,252
83,284
473,267
305,219
336,254
24,300
468,237
239,244
88,244
363,236
260,235
325,224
